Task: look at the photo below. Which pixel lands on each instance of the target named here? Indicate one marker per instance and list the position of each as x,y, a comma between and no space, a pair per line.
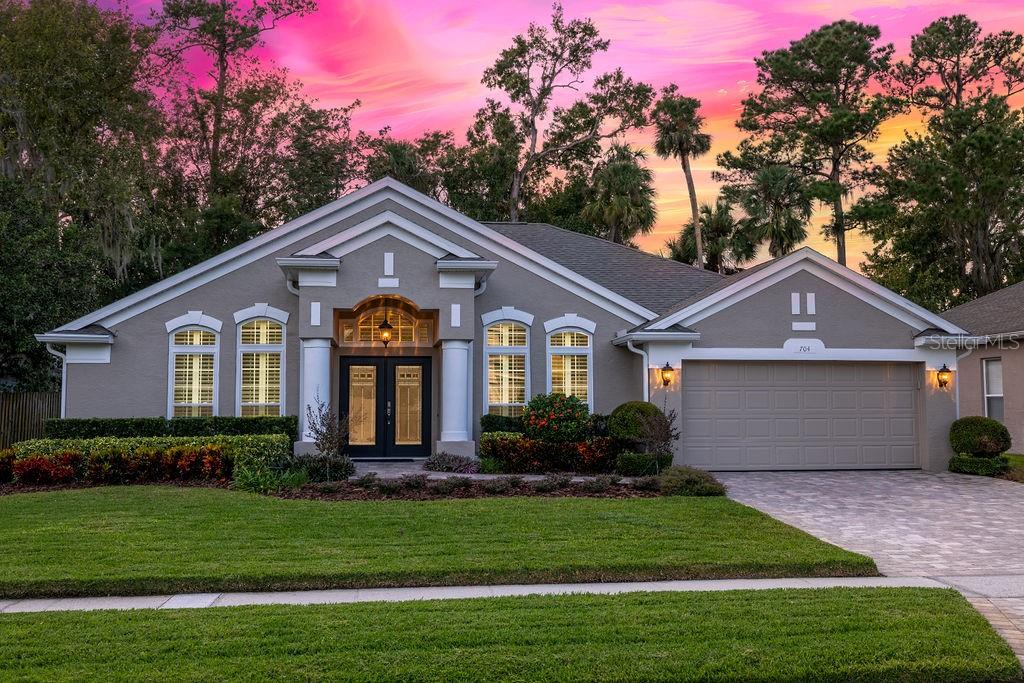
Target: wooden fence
22,415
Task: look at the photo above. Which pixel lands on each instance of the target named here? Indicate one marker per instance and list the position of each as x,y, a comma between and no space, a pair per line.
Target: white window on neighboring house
507,354
570,365
261,367
993,386
193,365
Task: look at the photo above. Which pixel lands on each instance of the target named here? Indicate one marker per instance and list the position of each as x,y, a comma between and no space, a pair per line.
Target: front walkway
327,597
965,531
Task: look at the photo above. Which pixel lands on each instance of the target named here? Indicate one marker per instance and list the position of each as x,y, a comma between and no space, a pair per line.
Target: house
991,361
798,363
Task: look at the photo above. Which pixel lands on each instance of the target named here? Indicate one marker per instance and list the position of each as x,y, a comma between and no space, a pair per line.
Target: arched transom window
193,372
570,364
407,329
507,356
261,367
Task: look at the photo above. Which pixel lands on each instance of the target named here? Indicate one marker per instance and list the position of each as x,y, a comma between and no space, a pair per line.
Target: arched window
260,367
507,346
570,364
193,372
363,329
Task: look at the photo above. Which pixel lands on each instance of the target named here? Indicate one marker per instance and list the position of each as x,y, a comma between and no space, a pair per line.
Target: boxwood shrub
965,463
131,427
626,423
979,436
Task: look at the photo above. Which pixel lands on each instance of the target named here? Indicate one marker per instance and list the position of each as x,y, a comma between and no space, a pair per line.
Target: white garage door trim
777,415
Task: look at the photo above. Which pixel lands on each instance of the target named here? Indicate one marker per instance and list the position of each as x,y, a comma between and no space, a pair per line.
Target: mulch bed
349,491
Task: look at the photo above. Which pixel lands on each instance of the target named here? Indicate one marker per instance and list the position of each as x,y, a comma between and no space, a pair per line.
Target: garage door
801,415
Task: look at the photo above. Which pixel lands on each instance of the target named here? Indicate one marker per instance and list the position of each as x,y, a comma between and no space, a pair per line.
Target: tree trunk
839,226
218,108
694,211
513,200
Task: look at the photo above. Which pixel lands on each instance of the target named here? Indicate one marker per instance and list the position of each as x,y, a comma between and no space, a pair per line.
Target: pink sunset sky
417,65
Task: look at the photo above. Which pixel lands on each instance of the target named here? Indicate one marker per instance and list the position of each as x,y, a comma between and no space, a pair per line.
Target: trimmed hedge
979,436
965,463
135,427
500,423
630,464
117,460
518,454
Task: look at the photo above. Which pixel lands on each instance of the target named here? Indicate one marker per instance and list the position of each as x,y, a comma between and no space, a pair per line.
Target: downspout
480,289
647,371
291,286
63,376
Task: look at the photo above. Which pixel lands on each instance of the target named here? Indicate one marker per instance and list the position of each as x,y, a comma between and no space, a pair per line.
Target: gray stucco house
991,360
798,363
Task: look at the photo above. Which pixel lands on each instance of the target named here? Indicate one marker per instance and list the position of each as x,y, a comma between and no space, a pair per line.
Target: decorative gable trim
806,259
385,224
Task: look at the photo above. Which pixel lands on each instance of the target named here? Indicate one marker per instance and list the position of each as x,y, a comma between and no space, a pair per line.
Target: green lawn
152,539
823,635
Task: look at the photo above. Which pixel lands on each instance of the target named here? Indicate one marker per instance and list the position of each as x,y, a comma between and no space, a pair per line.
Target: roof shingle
1000,312
647,279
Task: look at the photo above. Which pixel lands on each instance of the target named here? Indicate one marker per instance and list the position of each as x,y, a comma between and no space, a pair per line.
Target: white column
454,390
316,378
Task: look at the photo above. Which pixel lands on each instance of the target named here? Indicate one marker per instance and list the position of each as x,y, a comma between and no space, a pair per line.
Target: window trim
260,348
506,351
985,396
174,350
553,351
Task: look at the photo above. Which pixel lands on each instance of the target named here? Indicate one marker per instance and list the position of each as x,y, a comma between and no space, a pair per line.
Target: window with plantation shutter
570,365
507,351
261,368
193,372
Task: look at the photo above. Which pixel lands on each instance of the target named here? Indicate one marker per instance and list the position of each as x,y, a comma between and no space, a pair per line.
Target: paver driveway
967,532
911,523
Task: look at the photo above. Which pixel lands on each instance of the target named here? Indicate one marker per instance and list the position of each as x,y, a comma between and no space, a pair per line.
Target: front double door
387,402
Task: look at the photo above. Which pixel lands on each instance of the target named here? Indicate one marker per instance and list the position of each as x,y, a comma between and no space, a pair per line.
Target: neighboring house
798,363
992,362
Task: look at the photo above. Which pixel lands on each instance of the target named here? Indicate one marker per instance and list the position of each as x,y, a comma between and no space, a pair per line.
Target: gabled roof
648,279
279,238
1001,312
738,287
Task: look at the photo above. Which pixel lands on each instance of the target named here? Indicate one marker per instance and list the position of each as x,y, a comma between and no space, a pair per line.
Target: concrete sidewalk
327,597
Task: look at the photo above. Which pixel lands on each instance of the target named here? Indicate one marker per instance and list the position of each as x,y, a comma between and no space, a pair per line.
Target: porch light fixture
667,373
385,331
943,375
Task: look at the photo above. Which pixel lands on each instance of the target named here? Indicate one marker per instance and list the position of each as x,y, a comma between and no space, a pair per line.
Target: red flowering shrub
6,466
556,418
59,468
595,455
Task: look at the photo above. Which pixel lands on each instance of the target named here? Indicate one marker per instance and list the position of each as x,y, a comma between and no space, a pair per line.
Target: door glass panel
408,405
362,405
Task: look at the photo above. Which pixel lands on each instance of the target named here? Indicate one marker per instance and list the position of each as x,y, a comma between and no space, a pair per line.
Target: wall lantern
385,331
943,375
667,373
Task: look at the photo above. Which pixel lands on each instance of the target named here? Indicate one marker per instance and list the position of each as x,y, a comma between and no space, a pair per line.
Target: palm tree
623,195
727,243
677,126
778,206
